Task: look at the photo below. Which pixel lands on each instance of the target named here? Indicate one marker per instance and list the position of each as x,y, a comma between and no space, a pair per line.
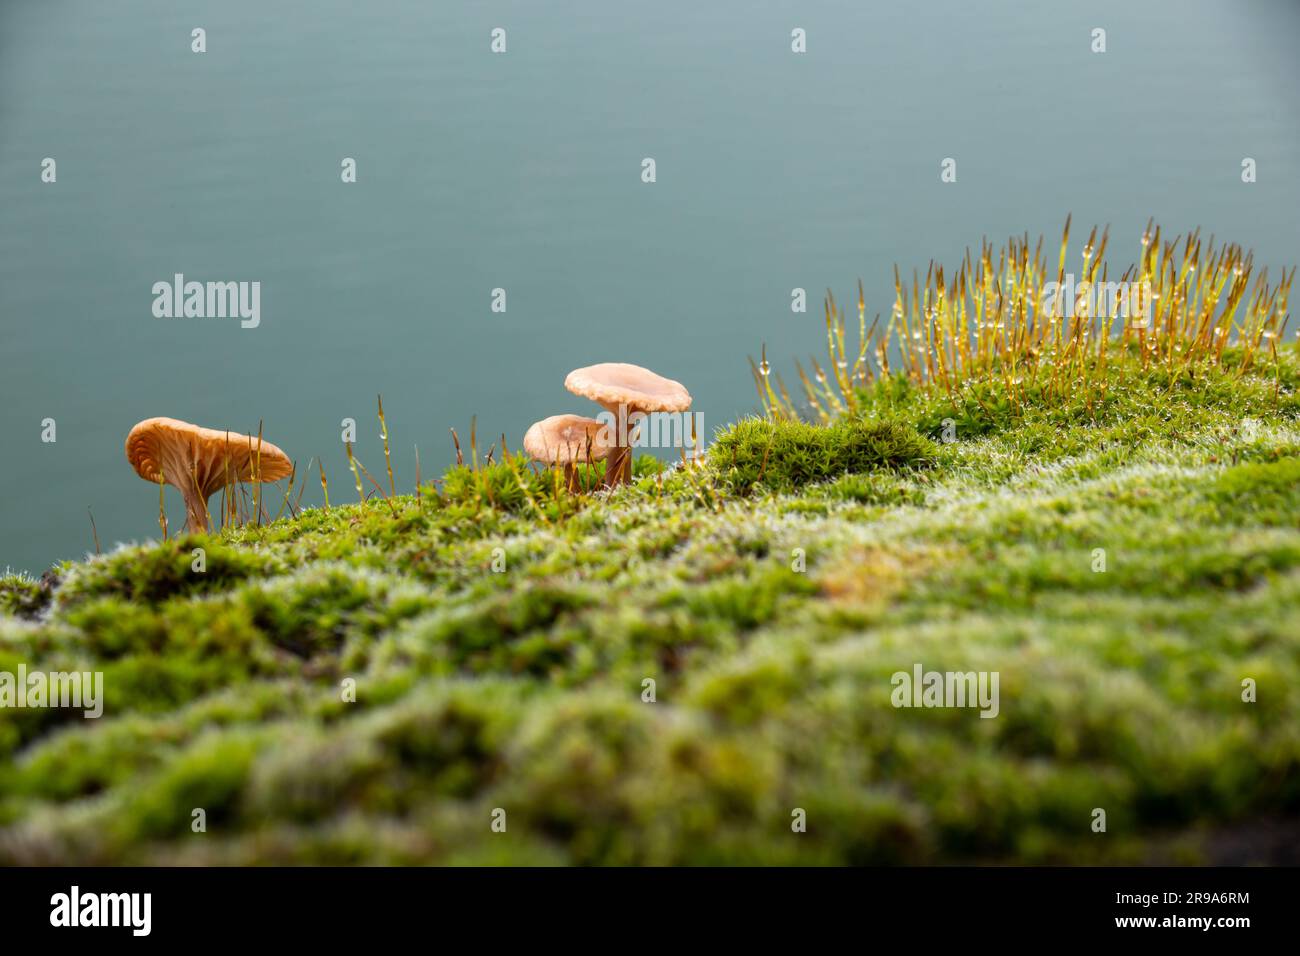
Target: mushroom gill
200,461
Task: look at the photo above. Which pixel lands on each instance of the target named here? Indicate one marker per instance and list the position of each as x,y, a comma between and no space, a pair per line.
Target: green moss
785,456
1266,493
667,673
22,596
517,632
153,574
210,775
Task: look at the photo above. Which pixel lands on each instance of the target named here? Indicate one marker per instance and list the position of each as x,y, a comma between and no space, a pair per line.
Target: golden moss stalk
388,460
352,463
162,509
257,477
1003,318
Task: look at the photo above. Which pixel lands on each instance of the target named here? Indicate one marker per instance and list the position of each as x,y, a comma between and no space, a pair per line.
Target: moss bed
499,639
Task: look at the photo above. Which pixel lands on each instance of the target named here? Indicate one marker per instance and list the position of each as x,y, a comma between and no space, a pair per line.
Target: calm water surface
522,171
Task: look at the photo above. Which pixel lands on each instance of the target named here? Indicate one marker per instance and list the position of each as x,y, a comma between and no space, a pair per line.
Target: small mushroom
626,390
567,440
200,461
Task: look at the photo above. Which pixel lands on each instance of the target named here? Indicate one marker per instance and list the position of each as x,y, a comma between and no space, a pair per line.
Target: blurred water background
522,171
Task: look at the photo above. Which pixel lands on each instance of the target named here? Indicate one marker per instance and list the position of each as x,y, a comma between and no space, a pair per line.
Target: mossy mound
1123,566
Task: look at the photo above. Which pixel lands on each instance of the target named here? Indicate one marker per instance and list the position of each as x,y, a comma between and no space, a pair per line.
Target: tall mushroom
626,390
567,440
200,461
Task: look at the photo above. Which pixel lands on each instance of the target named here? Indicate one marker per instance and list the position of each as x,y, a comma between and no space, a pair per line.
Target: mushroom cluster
199,462
628,393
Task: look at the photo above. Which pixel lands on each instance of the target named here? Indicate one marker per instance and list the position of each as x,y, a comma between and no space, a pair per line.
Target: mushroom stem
618,470
626,391
570,476
618,463
196,511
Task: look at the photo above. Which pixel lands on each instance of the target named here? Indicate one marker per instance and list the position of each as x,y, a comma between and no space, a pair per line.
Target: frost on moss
22,596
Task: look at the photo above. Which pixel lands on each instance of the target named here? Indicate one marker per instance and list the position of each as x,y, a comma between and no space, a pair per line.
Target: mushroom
626,390
567,440
200,461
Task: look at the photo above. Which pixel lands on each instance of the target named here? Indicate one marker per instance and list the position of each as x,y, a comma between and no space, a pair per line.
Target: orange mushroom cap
564,440
617,383
198,461
184,455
